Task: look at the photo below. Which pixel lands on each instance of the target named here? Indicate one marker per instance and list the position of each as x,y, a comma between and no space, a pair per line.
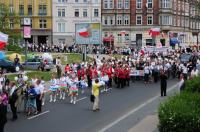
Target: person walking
39,88
163,83
12,100
3,113
95,91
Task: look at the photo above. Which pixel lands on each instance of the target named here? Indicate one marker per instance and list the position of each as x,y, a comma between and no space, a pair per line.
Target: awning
174,41
108,39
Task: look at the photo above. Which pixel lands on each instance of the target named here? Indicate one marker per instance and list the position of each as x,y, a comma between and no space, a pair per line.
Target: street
62,116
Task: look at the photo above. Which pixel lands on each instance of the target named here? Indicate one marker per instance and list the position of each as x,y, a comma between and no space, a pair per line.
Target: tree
5,18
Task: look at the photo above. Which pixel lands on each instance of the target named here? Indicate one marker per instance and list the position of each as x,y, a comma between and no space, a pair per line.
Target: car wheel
4,71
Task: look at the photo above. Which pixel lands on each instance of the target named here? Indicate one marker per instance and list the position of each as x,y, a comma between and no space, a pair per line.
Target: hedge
193,85
14,47
180,113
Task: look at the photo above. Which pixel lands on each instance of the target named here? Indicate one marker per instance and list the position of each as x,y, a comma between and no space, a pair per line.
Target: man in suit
163,83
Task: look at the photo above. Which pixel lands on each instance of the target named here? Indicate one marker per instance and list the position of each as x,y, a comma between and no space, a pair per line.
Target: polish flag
84,32
154,32
3,40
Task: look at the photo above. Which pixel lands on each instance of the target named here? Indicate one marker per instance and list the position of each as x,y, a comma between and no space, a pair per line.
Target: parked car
7,66
38,64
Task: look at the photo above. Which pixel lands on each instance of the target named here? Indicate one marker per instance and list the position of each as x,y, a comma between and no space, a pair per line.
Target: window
61,27
127,4
42,10
139,20
11,9
119,20
61,12
84,12
76,1
167,20
105,20
119,38
150,4
126,37
149,20
11,23
119,4
43,23
111,20
30,10
96,12
108,4
62,1
139,4
126,20
21,10
76,13
166,3
85,1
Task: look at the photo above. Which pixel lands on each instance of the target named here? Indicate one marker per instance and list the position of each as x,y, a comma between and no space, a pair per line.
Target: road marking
81,99
134,110
105,91
32,117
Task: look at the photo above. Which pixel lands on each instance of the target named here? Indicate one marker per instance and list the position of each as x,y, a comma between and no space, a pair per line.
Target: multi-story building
116,20
129,21
39,11
66,13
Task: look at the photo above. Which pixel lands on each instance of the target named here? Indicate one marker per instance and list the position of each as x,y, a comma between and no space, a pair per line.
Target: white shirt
12,90
194,73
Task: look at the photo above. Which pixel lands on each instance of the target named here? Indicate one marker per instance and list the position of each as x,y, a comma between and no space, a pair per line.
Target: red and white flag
3,40
154,32
84,32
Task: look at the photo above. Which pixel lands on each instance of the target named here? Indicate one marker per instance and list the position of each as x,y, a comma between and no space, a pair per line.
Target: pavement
132,109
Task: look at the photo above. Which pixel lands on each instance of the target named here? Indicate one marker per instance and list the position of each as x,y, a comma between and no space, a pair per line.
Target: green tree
5,17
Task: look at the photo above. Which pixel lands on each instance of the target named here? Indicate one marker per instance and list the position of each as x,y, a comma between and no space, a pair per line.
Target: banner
27,32
88,33
137,73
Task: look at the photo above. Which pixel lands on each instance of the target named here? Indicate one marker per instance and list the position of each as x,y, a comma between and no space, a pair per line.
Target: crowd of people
61,48
103,74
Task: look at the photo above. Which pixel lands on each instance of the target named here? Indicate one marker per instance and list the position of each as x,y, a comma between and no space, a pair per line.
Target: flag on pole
3,40
154,32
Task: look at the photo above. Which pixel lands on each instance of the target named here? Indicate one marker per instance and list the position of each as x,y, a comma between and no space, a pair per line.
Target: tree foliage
5,17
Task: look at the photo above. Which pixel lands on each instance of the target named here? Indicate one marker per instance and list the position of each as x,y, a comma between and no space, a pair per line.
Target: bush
15,48
180,113
193,85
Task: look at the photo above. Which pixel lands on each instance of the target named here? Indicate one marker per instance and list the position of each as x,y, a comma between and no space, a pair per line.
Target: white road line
134,110
81,99
32,117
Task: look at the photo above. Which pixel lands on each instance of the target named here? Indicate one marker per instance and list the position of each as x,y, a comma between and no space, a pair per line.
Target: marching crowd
75,78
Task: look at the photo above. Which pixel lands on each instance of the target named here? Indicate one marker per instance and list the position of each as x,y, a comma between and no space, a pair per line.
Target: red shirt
67,68
109,72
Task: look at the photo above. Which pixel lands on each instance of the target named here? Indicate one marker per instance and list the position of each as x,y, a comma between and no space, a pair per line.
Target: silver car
38,64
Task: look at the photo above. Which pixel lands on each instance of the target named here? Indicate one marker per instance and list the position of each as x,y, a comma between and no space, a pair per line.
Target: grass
117,56
46,75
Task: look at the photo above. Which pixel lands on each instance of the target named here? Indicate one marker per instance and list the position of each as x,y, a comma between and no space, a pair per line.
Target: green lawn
117,56
39,74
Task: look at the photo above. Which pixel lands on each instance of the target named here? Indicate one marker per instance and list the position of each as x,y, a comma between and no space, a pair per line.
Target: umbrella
2,55
13,56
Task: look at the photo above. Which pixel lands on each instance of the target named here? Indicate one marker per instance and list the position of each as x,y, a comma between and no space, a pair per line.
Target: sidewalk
148,124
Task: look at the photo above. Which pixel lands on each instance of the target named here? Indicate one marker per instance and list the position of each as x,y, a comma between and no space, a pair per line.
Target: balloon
25,78
47,56
17,69
16,78
2,55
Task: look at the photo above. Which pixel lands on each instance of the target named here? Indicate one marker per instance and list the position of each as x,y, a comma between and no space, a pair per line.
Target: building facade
66,13
39,11
127,22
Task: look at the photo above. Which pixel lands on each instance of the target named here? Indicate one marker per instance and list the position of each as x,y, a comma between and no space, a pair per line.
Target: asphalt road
62,116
